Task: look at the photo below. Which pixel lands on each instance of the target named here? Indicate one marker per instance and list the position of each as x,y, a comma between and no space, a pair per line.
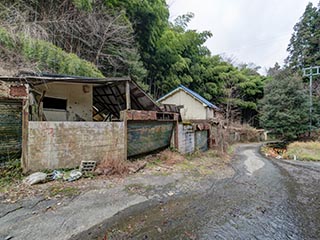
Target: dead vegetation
100,36
211,162
111,172
11,63
243,133
114,167
169,157
111,166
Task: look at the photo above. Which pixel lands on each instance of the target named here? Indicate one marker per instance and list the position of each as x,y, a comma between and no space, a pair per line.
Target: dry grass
112,171
114,167
210,162
309,151
170,157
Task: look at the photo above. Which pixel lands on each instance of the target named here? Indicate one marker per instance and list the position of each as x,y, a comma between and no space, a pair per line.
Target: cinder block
87,166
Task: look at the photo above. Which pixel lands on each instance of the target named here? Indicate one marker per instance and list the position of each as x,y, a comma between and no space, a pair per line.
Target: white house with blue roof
194,106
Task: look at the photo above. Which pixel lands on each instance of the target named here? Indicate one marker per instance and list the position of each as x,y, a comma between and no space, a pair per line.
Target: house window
55,103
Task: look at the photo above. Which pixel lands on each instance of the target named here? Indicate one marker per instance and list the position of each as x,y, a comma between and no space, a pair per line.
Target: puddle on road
253,163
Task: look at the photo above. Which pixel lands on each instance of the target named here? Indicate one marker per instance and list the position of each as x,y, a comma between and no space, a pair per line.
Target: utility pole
310,72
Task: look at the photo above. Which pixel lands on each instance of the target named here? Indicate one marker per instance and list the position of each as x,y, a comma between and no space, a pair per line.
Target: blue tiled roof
194,94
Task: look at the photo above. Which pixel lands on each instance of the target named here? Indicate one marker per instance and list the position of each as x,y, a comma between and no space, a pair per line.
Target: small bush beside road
309,151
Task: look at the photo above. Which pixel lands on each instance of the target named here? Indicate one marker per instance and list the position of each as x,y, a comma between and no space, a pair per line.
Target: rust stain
18,91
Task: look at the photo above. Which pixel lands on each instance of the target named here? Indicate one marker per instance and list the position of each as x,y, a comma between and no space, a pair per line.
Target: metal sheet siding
10,130
144,137
202,140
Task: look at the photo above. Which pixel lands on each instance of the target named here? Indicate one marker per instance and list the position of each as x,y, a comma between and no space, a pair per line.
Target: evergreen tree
304,47
284,108
272,71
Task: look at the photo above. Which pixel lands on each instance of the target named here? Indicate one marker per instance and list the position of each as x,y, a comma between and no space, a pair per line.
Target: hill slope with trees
125,38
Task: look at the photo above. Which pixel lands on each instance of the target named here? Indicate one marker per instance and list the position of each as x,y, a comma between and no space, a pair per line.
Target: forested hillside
121,38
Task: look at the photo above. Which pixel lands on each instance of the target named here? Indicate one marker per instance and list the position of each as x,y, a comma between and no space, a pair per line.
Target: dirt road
265,199
254,198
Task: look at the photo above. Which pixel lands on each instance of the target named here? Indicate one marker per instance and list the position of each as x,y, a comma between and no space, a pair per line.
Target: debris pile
274,152
34,178
70,176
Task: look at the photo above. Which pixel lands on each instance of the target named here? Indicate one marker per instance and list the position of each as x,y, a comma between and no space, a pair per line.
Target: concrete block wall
53,145
186,139
192,138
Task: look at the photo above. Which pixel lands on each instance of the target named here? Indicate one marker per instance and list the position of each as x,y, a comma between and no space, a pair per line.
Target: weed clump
10,173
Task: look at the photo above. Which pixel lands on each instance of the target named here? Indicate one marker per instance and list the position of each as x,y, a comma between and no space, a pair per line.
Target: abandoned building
52,121
57,121
199,118
192,105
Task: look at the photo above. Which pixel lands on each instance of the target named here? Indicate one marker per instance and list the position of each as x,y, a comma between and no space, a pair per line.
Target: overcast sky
248,31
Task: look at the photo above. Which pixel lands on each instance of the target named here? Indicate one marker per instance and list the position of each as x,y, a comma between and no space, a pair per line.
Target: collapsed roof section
110,95
112,98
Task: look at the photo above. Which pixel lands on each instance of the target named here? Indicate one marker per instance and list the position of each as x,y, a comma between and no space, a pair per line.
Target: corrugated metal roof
193,94
36,80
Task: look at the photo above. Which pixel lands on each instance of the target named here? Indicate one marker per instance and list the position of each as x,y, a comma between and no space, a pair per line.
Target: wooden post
25,132
128,99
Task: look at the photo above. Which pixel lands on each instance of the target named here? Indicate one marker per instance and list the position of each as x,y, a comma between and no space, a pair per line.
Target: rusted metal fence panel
201,142
10,130
147,136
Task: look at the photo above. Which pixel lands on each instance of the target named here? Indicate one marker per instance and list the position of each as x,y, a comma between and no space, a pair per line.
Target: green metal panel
202,140
148,136
10,130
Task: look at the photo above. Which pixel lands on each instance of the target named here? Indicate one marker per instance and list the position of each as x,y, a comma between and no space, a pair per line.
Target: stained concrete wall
53,145
79,101
186,139
191,140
